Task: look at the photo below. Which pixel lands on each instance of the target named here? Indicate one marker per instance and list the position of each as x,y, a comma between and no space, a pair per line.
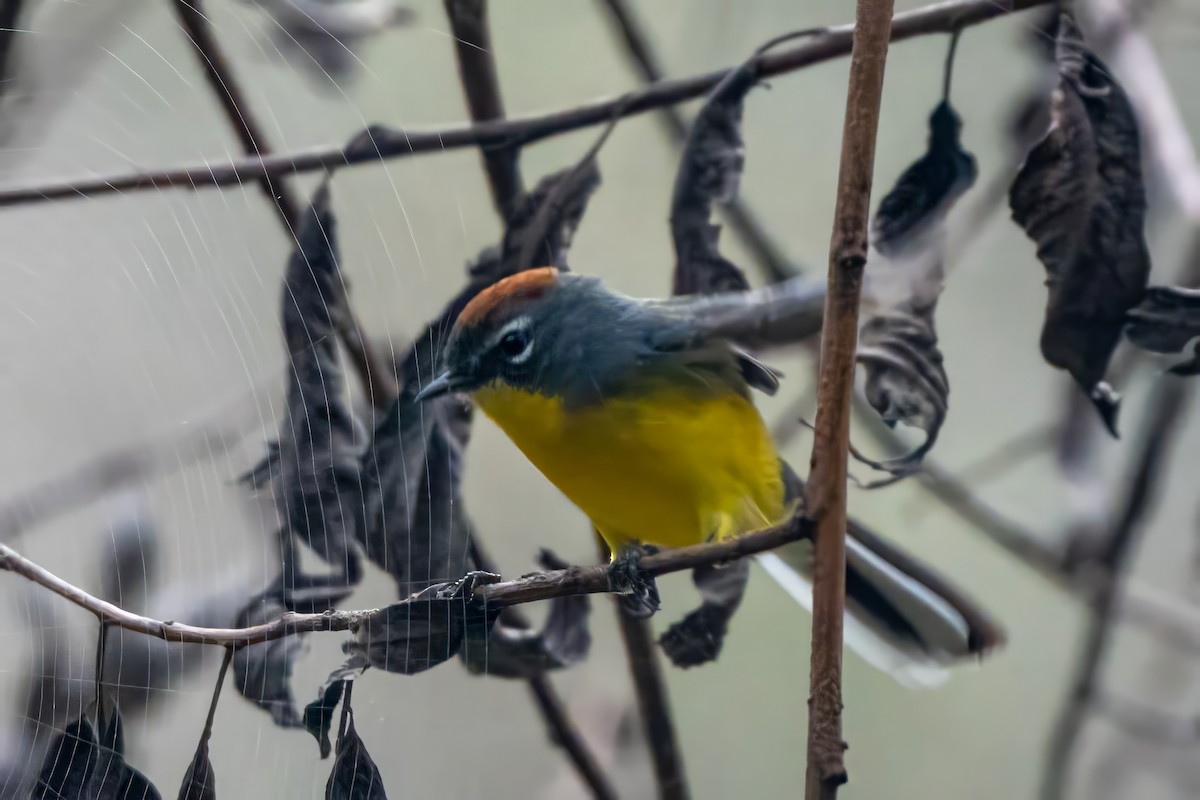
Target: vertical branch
371,370
653,704
826,494
477,70
1166,409
744,222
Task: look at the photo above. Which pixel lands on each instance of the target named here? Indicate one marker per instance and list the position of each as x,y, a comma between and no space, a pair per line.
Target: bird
642,416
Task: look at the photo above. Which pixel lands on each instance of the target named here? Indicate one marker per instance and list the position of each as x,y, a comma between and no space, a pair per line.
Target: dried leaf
1167,319
509,651
320,441
77,767
354,775
1080,196
263,672
112,778
926,191
318,715
697,638
426,630
67,768
709,172
200,781
542,223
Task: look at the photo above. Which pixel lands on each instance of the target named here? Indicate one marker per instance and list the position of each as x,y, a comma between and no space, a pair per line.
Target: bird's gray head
557,334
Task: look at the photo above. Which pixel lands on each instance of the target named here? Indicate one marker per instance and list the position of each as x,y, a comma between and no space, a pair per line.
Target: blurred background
152,316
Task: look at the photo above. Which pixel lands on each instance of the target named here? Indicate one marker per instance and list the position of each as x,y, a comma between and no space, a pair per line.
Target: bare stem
826,491
742,219
382,142
562,728
227,91
653,704
481,84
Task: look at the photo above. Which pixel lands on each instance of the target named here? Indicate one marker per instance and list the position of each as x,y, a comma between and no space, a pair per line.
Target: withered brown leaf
1166,320
1080,197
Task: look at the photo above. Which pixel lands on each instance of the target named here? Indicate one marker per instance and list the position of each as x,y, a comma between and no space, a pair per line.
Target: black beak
442,384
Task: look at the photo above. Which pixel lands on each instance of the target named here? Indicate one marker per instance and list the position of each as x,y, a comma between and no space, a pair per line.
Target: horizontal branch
381,142
538,586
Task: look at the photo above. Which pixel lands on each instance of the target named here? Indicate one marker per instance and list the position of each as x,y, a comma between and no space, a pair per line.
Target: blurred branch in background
742,219
381,387
384,143
481,85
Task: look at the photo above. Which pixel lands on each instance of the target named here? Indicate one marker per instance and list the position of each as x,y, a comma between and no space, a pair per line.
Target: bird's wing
678,337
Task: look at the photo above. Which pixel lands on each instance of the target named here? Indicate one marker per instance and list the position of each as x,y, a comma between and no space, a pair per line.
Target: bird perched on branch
640,412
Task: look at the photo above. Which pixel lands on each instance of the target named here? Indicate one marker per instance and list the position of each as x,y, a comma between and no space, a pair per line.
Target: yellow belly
668,468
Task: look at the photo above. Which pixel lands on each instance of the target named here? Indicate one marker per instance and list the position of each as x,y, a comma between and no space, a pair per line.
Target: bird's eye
514,344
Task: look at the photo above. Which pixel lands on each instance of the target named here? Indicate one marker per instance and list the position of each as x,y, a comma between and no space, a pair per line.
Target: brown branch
654,706
481,84
1167,405
375,378
563,731
826,491
229,94
742,219
381,142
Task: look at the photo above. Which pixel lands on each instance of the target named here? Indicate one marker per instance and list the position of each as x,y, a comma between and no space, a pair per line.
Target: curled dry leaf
263,672
897,344
1080,196
112,778
508,651
709,172
425,630
320,441
68,766
698,637
927,190
318,715
78,767
200,781
1166,320
354,775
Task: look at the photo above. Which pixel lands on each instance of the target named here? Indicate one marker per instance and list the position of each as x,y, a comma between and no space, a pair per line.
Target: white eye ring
521,324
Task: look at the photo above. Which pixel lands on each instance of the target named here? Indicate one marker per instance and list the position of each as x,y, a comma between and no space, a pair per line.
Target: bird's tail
901,617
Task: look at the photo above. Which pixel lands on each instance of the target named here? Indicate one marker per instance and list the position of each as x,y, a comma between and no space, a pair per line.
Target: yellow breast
669,467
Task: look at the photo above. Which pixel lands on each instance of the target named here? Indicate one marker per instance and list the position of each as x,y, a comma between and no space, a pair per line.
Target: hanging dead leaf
1080,197
318,715
68,765
355,775
1166,321
508,651
263,672
425,630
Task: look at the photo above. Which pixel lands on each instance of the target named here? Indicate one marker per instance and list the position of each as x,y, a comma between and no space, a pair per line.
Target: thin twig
742,219
380,387
109,472
481,84
227,91
1166,408
563,731
826,491
654,706
385,142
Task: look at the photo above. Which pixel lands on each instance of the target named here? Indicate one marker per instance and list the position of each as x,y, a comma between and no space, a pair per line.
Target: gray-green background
130,318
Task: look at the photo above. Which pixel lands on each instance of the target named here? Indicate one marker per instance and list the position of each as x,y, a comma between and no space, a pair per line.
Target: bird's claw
636,590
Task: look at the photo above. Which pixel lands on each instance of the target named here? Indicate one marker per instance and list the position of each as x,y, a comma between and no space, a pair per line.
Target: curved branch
383,142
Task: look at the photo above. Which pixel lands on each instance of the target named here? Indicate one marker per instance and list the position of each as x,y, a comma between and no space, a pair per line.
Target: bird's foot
636,590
